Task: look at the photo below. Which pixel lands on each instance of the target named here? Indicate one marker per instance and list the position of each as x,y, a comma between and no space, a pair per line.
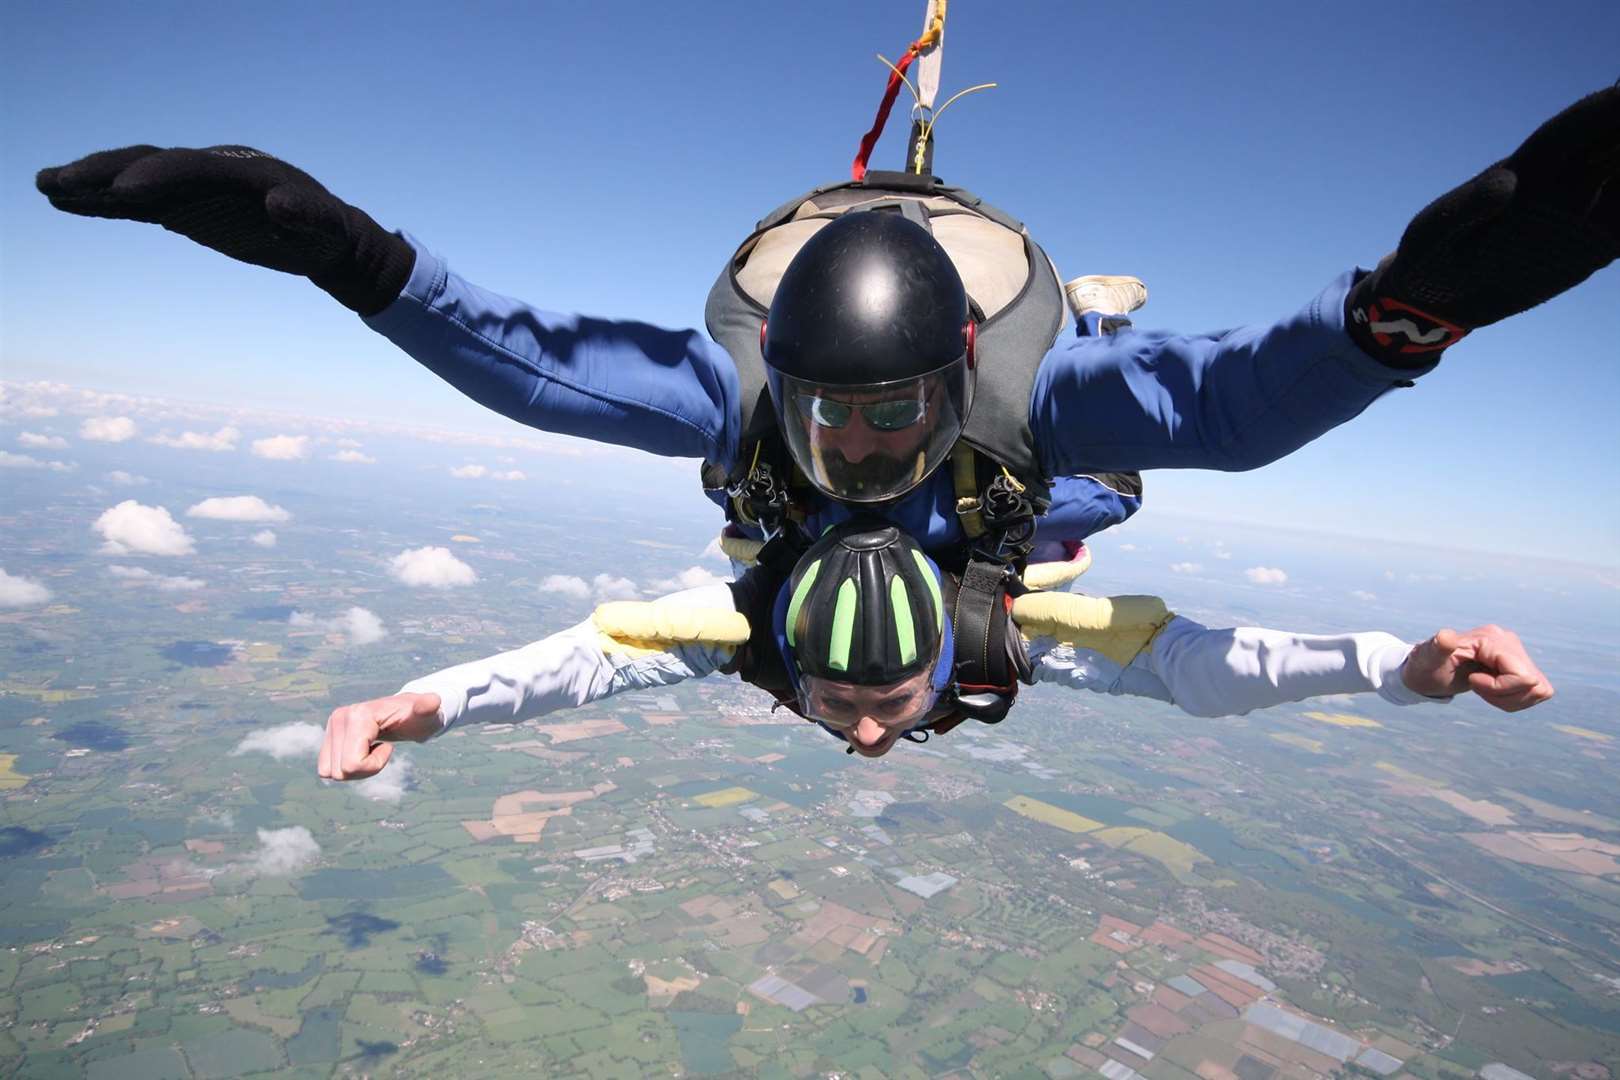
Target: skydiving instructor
849,375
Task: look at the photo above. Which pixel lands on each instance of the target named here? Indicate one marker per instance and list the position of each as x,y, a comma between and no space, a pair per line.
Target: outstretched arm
564,671
1231,400
1534,224
669,392
1223,672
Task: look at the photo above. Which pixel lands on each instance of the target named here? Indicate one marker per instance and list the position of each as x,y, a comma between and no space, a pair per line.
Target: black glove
246,204
1540,221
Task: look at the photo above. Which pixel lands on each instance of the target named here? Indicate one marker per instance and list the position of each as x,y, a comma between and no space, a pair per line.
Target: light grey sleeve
567,670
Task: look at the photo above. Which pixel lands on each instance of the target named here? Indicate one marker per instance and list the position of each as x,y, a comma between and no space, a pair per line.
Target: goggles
882,415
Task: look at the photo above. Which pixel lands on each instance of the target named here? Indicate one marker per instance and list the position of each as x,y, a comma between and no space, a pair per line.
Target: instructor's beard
832,463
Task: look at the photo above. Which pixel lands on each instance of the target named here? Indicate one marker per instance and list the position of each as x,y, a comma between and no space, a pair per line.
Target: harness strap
990,657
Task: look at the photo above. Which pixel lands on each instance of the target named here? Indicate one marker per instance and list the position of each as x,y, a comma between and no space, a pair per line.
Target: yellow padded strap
1119,627
740,548
1055,575
638,628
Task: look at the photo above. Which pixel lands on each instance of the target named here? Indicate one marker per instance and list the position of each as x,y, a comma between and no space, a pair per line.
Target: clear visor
871,443
893,706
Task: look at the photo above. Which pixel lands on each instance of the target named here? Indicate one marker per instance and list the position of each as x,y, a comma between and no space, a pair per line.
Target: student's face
872,718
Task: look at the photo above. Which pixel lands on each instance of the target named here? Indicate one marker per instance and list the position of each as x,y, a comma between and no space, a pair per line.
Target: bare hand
360,737
1490,661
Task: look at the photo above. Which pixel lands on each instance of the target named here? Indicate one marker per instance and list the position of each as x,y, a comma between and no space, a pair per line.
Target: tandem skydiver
869,347
864,637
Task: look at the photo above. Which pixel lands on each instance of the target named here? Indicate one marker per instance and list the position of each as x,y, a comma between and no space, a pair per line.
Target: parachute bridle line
931,37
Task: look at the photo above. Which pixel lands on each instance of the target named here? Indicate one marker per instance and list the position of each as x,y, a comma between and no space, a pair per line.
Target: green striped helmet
863,606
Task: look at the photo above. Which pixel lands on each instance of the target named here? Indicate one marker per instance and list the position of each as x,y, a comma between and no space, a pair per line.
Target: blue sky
606,158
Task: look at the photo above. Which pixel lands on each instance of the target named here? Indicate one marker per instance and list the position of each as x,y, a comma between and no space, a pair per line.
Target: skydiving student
865,637
846,311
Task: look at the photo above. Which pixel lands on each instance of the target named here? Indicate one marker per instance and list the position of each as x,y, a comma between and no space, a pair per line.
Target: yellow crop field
10,780
1313,745
1177,857
1051,815
1339,719
730,796
44,696
1583,733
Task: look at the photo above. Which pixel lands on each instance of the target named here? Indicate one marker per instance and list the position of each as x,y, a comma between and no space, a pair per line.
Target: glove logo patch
1405,329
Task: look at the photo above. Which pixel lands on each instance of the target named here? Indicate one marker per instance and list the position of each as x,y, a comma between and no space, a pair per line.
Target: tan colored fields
663,989
834,923
1051,815
1339,719
1583,733
1475,968
574,730
1570,852
1481,810
513,815
1563,815
730,796
463,538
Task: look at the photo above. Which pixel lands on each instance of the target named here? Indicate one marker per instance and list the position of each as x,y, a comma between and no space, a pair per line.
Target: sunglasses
882,415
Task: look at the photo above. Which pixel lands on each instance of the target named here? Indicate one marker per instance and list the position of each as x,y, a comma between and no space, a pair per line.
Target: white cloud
1127,547
712,550
510,474
131,528
147,577
693,577
8,460
282,448
1186,567
349,443
119,476
362,626
285,851
108,429
21,592
608,587
264,538
220,441
285,741
1223,554
1363,595
389,785
353,457
41,442
468,472
238,508
431,567
566,585
1266,575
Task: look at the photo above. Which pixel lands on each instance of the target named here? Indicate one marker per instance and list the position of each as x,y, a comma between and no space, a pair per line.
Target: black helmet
863,608
867,355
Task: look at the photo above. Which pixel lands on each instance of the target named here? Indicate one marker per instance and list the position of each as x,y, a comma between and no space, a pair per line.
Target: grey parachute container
1014,289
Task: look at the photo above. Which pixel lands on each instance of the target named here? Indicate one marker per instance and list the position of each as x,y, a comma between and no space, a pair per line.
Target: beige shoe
1105,294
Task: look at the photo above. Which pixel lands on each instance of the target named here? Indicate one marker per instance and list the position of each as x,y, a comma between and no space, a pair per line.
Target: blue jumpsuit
1130,401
